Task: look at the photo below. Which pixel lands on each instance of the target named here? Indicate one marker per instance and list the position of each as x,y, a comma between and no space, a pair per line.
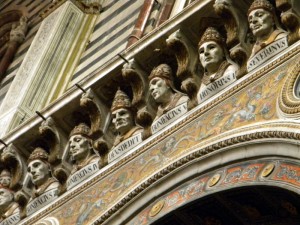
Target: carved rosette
133,74
289,99
290,19
187,60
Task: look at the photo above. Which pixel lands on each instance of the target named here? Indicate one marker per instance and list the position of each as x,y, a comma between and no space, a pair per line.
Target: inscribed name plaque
11,220
169,117
267,53
82,174
213,88
124,147
41,201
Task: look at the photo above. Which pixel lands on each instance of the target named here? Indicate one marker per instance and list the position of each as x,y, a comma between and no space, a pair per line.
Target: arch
261,153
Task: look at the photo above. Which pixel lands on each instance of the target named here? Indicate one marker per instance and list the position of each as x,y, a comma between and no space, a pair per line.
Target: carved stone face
5,181
39,172
159,90
123,120
79,147
6,197
211,56
261,23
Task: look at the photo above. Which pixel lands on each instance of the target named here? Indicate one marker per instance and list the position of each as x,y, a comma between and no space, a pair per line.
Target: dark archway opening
254,205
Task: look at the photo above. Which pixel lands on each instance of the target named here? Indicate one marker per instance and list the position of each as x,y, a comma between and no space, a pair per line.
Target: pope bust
219,70
82,155
46,187
39,170
123,119
162,90
265,27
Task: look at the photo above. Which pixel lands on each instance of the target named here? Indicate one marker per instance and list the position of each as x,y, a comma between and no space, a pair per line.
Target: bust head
80,143
5,178
211,52
122,113
161,85
261,18
6,198
39,168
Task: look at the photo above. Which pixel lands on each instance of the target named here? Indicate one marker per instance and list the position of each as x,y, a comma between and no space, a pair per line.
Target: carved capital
187,60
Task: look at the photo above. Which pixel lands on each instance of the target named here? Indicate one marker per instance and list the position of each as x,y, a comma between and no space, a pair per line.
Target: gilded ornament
268,170
157,208
214,180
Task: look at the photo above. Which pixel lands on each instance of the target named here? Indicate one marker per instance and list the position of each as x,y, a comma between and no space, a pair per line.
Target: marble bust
9,210
270,38
123,118
82,155
46,187
171,103
219,70
39,170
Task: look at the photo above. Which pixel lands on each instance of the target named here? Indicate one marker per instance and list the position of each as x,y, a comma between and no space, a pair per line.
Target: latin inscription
41,201
11,220
82,174
169,117
266,53
124,147
216,86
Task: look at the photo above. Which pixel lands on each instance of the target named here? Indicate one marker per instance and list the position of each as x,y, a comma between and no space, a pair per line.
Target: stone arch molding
289,99
48,221
262,160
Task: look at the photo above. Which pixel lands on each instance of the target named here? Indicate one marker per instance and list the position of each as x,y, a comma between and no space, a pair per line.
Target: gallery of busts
142,112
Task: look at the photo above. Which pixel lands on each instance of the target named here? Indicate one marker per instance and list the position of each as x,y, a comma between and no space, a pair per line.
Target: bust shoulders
133,131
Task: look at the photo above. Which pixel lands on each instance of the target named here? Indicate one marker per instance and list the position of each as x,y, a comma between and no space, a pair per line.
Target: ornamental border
244,138
187,159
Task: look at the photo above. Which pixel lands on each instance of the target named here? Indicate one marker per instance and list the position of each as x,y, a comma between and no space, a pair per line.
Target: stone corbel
90,6
137,78
187,60
97,113
56,140
11,159
234,15
290,18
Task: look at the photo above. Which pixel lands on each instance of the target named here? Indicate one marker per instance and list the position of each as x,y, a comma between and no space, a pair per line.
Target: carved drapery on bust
219,69
172,104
